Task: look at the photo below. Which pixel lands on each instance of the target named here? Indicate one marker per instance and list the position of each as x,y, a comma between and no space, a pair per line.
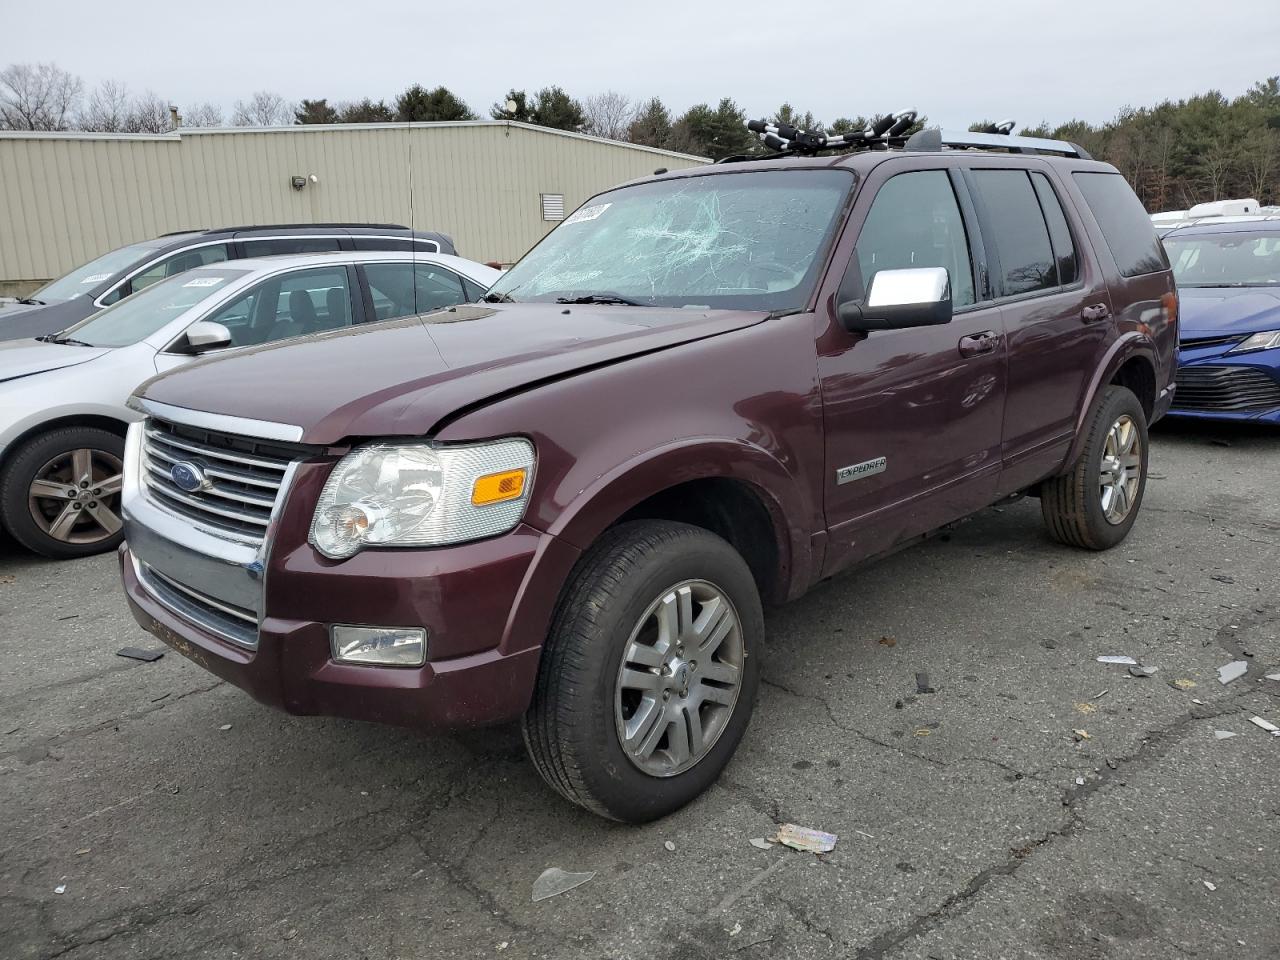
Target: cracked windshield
746,241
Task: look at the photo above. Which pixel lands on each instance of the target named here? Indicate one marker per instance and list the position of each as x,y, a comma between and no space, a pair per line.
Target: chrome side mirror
205,335
912,297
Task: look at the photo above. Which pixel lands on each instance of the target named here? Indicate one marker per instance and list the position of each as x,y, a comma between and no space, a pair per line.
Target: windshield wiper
71,340
497,298
603,298
32,302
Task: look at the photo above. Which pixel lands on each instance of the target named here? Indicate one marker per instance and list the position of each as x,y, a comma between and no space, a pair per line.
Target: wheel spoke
60,529
1121,500
644,655
693,723
1128,436
719,695
52,490
640,680
110,485
645,728
107,518
714,623
82,465
718,672
678,740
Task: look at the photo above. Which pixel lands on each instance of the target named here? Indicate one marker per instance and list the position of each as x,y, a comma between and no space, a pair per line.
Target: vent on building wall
553,206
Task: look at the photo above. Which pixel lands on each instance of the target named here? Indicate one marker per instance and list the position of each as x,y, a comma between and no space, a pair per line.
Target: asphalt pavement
1037,804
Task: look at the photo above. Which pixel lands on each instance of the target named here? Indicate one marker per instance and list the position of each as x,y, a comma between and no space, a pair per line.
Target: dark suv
113,276
565,505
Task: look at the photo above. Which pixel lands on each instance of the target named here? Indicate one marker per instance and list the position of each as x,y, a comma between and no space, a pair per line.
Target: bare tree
107,110
149,114
202,115
263,109
1217,161
608,115
38,96
1260,155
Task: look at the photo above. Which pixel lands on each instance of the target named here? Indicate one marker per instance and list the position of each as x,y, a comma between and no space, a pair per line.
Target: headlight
1259,341
414,494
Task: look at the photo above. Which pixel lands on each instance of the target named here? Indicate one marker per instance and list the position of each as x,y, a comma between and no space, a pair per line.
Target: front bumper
260,618
1213,384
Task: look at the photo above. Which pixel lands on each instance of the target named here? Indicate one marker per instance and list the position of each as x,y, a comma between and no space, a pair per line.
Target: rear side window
1125,224
403,289
1020,234
279,245
395,243
1064,251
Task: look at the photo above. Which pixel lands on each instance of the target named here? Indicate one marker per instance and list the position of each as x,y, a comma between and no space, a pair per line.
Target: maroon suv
702,391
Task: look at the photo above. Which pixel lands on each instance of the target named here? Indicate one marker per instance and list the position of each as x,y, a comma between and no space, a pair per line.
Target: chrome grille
243,476
1225,389
218,617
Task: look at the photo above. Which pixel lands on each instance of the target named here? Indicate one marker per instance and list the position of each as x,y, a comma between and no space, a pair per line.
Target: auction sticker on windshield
96,278
203,282
588,213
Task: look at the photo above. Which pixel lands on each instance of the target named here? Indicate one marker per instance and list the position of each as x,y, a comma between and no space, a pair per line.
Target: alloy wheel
75,497
1121,469
679,678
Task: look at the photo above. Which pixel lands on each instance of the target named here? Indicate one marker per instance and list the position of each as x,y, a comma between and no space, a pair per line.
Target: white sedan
62,398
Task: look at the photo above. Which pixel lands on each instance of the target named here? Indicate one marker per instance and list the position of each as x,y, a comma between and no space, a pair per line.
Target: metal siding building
66,198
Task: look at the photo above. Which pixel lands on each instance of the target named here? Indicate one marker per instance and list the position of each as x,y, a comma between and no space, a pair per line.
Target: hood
1222,311
22,358
403,377
22,321
9,307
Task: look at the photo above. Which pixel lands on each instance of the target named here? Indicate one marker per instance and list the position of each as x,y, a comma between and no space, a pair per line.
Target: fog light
380,646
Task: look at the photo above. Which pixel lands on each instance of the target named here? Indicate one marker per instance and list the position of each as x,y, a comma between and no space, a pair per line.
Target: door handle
978,343
1095,312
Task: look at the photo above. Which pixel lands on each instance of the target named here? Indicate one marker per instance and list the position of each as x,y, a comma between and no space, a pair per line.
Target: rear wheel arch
1130,362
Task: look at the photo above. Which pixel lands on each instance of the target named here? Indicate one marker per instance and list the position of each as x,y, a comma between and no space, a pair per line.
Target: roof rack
890,132
933,140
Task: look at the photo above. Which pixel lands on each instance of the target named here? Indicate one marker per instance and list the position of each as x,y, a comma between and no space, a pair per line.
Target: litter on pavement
1233,671
1266,725
1182,683
1223,734
1125,661
1141,671
670,847
1209,885
1081,734
137,653
804,839
760,843
553,881
1272,676
922,683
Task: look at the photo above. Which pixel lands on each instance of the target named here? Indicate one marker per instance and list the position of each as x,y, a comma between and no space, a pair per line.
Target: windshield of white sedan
750,241
137,317
83,279
1225,259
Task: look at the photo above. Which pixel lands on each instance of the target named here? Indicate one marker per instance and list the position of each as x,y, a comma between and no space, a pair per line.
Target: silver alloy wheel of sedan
1121,469
679,678
75,496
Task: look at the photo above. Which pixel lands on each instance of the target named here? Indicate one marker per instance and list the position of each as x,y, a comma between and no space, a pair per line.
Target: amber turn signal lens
498,487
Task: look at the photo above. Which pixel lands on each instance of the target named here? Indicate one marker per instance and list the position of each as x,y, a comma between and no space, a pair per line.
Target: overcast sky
955,60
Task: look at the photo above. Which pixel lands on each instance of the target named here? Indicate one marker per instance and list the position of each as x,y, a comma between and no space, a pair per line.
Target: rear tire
60,493
1094,505
620,671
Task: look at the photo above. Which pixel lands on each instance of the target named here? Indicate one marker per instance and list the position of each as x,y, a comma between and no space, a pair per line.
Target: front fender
611,495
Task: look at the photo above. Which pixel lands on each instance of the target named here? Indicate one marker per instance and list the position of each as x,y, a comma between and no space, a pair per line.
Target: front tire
650,671
60,493
1095,504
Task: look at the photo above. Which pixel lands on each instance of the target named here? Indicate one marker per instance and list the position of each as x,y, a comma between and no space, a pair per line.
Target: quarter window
1020,235
1064,251
1124,223
915,222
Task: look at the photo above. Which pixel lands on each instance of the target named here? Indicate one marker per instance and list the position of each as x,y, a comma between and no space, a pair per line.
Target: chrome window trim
221,422
97,302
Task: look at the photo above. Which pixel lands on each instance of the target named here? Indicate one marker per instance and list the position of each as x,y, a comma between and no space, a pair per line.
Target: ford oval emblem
188,477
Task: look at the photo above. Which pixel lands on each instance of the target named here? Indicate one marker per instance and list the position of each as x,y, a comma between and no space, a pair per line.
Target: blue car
1228,276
